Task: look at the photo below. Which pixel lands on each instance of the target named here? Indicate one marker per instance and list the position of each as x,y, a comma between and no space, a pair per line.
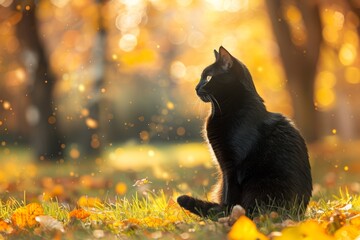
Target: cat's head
227,78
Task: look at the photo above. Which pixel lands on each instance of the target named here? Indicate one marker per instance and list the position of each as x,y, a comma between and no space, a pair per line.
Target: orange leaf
133,221
5,227
79,214
25,216
245,229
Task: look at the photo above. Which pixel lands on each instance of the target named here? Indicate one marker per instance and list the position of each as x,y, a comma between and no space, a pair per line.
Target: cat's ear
226,59
216,54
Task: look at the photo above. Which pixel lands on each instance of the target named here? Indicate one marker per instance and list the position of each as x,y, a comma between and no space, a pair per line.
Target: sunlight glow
339,20
178,69
324,93
330,34
325,98
6,105
184,3
128,42
325,79
59,3
196,39
347,54
5,3
229,5
131,3
352,75
293,14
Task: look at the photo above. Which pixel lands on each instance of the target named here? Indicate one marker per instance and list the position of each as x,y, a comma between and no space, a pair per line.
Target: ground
131,192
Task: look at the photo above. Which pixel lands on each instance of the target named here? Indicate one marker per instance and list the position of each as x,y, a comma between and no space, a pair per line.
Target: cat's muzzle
203,95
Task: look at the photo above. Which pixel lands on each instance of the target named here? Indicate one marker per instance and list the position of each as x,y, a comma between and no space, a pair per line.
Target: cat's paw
184,201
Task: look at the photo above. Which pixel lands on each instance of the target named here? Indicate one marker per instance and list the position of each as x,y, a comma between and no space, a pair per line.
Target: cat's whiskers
217,103
199,106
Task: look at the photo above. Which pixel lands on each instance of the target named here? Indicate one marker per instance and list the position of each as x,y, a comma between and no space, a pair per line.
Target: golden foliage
5,227
132,221
79,214
347,233
306,230
85,201
245,229
153,222
25,216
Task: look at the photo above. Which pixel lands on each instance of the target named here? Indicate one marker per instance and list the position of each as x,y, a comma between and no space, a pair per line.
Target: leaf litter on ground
159,216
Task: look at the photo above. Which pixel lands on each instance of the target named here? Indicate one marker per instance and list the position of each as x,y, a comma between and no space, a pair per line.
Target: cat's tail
201,208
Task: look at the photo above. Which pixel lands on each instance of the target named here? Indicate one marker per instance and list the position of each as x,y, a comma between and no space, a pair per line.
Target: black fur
263,159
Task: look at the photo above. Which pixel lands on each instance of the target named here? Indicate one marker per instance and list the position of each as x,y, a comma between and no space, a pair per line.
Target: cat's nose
197,88
200,88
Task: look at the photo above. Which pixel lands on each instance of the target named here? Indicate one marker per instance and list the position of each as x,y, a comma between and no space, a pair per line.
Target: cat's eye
208,78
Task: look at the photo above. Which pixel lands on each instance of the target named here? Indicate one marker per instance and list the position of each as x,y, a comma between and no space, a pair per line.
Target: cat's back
280,132
284,151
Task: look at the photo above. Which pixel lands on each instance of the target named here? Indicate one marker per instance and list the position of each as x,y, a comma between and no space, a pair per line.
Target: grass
104,200
158,215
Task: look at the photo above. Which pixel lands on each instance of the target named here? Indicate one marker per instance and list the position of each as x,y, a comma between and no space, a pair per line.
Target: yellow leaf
355,221
153,222
347,233
85,201
245,229
309,230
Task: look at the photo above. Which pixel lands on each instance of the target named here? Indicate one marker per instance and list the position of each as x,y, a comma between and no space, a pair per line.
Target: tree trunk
354,6
91,139
300,62
45,138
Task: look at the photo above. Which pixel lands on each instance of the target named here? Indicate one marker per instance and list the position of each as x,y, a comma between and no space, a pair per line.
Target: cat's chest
231,142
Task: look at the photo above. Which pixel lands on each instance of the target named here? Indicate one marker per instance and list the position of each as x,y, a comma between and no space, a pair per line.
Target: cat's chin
205,98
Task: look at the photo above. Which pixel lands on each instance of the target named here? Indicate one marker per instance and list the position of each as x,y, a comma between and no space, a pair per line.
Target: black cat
263,160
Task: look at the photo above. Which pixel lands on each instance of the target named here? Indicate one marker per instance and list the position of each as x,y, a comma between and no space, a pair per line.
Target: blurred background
113,81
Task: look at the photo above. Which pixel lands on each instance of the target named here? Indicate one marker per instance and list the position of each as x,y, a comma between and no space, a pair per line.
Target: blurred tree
297,28
90,139
42,112
355,8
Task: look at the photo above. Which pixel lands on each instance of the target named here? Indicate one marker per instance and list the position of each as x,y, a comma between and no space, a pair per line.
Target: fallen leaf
25,216
85,201
5,227
141,182
309,230
245,229
336,221
153,222
355,221
98,233
347,233
79,214
48,223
